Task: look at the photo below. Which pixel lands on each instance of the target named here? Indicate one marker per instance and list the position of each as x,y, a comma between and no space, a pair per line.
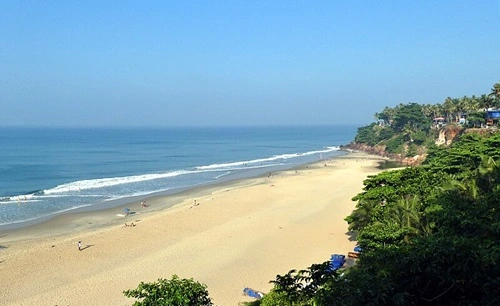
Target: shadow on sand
352,236
87,246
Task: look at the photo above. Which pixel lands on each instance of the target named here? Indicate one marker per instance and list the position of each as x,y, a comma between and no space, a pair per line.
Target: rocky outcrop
414,160
449,134
380,151
446,136
374,150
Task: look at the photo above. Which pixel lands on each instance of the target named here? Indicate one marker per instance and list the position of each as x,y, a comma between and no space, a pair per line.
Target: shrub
367,135
395,144
412,150
174,292
419,137
386,133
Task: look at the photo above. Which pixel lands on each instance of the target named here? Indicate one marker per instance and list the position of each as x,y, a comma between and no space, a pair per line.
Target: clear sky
213,63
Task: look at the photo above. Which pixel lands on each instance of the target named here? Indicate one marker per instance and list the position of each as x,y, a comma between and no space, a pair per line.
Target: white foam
114,181
21,201
222,174
28,198
72,189
33,198
248,164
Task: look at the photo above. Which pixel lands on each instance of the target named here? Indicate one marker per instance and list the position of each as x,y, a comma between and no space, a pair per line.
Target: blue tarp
336,262
494,114
253,293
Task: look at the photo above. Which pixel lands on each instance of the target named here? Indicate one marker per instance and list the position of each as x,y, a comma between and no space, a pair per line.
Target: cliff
448,134
445,136
380,151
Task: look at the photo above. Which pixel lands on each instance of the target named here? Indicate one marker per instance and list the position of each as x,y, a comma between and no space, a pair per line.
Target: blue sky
213,63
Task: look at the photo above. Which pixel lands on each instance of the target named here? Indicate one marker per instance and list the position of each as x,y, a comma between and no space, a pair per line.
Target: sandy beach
228,236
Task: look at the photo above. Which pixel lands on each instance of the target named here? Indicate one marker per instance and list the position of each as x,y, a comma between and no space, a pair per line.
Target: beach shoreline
124,202
220,235
94,217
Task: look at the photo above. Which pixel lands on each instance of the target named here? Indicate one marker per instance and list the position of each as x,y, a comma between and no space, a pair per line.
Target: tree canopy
404,128
173,292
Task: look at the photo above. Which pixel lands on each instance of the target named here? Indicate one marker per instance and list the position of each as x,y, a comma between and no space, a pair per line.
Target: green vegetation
174,292
388,164
430,234
368,135
409,129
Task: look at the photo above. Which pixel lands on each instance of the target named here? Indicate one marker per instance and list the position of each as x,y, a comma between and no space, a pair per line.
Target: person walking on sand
79,245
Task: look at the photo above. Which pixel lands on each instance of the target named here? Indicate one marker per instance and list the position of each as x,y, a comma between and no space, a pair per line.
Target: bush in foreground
174,292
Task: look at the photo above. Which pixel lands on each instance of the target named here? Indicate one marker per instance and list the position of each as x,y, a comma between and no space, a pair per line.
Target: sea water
49,171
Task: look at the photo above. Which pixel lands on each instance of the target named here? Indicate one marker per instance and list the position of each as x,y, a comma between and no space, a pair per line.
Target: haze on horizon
225,63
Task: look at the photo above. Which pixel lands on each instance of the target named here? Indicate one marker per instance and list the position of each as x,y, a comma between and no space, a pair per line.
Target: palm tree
483,179
406,213
362,216
409,206
486,101
472,104
495,95
467,187
427,110
448,108
388,114
488,165
408,131
488,173
457,109
437,110
495,91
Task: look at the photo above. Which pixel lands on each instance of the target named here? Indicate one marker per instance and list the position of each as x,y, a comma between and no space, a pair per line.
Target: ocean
49,171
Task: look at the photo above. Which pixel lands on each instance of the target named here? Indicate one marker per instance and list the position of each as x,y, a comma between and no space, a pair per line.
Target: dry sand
240,234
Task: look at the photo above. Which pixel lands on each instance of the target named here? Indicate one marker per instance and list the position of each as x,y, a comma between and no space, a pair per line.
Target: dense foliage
430,236
173,292
465,155
407,127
